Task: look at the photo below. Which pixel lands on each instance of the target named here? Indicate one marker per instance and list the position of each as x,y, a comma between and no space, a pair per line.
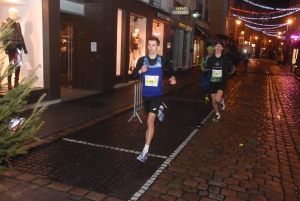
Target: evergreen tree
12,136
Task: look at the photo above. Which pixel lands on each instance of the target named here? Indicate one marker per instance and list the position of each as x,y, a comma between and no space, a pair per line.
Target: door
66,52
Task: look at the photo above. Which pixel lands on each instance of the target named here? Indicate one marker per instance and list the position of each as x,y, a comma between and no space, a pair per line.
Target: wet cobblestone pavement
251,153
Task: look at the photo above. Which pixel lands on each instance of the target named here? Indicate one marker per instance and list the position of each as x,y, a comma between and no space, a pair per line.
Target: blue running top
152,78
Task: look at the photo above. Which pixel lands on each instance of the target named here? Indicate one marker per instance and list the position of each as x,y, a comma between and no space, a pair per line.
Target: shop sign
185,27
181,10
163,16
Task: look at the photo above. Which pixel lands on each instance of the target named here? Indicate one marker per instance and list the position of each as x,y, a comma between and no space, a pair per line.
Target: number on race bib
216,73
151,81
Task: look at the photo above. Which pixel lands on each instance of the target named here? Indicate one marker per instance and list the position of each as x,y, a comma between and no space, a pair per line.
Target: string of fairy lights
252,18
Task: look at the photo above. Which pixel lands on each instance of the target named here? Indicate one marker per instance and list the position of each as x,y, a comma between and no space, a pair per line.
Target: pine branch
11,106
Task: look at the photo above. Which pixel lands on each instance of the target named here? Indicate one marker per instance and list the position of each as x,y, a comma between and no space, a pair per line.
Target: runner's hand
144,68
172,80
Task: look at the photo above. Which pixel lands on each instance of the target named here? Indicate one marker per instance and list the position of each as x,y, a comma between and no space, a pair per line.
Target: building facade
94,44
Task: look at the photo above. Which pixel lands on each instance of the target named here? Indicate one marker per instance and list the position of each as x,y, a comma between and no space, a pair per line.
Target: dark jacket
15,38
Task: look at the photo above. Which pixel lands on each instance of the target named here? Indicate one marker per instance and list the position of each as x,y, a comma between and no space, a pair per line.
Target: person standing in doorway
150,68
216,64
205,81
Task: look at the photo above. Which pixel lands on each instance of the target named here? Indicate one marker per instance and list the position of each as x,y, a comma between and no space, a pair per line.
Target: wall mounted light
136,33
169,45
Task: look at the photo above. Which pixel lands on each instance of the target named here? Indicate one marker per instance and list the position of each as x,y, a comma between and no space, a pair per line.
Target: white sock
218,114
146,148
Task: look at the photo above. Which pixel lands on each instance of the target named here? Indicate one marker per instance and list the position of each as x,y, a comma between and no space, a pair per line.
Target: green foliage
11,106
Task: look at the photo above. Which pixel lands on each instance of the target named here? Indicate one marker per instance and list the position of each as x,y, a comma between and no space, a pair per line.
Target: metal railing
138,101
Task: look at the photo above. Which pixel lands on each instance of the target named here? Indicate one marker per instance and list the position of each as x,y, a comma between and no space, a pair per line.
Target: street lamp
287,27
236,29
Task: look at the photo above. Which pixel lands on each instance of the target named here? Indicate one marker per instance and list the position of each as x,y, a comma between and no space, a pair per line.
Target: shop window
119,33
241,40
196,52
295,54
158,31
137,39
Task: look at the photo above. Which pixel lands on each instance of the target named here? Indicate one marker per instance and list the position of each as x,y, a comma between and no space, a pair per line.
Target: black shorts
215,86
151,104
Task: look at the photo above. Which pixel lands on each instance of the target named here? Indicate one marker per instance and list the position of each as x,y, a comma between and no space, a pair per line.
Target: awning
208,33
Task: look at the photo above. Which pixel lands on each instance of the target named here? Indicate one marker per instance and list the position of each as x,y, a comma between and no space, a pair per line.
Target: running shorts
151,104
215,86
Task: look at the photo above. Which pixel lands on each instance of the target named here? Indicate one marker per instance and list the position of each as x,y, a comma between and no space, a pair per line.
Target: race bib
151,80
216,73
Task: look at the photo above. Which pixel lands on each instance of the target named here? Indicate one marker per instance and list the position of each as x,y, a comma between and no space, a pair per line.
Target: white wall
31,25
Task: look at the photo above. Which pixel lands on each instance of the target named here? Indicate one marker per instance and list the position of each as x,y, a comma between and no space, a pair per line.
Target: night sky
274,3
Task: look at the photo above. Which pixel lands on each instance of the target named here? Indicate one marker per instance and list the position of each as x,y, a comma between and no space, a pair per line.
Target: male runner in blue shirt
150,68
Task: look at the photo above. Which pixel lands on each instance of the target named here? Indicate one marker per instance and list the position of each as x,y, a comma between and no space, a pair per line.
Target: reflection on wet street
251,153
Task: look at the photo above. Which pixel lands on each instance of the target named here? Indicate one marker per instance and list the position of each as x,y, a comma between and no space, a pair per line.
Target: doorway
66,50
71,57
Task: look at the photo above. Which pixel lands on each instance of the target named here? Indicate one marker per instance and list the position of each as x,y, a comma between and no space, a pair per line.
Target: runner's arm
208,65
139,64
202,64
233,68
167,65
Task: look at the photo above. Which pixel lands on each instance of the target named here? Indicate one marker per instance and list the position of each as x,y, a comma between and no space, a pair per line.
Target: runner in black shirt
217,65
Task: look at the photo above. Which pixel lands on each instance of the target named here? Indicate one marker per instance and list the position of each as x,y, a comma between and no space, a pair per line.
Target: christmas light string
263,28
271,8
268,29
265,18
275,32
260,13
262,24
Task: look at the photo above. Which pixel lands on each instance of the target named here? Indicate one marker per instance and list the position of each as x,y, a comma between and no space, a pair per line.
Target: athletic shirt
152,78
218,68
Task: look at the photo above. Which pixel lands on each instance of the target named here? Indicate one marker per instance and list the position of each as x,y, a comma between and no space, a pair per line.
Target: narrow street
251,153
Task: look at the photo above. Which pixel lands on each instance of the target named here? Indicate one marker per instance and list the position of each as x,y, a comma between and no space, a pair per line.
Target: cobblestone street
251,153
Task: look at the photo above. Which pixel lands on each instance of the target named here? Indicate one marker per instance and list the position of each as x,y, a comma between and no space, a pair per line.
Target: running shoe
160,115
216,118
206,98
143,156
222,105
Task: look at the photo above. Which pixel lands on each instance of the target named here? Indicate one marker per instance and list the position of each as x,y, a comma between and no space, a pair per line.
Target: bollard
137,99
